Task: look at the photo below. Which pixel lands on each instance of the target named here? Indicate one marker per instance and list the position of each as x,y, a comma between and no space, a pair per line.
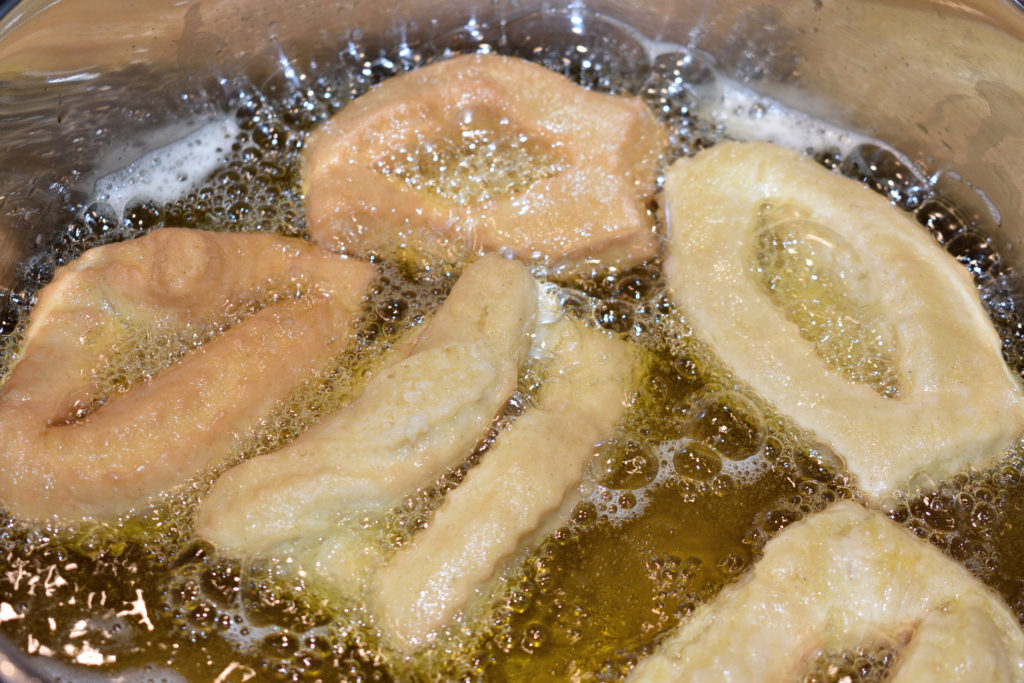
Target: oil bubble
728,423
627,465
696,461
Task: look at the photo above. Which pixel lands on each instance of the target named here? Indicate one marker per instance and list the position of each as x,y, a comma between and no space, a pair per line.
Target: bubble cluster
586,48
482,160
972,517
141,351
622,301
687,493
886,173
674,89
864,665
811,274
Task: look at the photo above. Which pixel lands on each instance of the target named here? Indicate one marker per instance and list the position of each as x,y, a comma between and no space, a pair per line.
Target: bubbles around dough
70,451
957,403
422,412
483,152
524,480
840,579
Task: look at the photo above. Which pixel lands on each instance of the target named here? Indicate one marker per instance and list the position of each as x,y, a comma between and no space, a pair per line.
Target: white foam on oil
745,114
170,172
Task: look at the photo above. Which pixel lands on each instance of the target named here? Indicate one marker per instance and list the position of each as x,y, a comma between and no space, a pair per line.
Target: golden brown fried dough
68,451
480,153
842,579
422,413
840,310
522,481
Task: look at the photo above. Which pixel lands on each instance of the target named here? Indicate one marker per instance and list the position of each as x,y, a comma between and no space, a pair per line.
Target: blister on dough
877,341
842,579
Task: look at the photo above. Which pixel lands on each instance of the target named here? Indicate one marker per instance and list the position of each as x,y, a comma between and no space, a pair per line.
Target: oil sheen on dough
423,412
128,447
958,404
841,579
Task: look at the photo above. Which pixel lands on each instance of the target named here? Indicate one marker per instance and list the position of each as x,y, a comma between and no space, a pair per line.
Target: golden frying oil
812,274
481,157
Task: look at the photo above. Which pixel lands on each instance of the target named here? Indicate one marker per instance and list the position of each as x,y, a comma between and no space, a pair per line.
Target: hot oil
868,665
687,491
808,271
480,157
681,499
78,587
142,350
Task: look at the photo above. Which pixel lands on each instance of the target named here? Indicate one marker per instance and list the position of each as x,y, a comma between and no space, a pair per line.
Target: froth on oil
167,173
679,502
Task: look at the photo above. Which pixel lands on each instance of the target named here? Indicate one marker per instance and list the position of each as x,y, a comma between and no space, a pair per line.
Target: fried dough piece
522,481
483,152
130,446
841,311
420,414
840,579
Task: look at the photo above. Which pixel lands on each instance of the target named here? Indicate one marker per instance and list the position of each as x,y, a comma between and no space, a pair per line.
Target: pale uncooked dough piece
422,413
576,167
128,447
958,403
841,579
523,480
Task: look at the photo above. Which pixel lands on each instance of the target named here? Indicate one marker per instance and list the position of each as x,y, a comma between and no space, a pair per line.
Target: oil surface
679,503
481,158
810,273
